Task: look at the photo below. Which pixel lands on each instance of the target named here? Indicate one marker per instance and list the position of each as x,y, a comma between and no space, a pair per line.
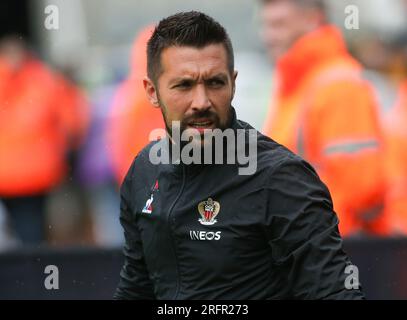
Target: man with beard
204,231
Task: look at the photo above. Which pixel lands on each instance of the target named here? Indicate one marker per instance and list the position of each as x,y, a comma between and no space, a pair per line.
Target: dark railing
92,273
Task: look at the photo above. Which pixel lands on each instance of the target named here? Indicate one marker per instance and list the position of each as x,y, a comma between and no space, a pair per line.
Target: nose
200,101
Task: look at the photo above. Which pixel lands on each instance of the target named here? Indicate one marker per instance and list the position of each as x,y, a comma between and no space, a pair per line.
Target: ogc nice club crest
208,210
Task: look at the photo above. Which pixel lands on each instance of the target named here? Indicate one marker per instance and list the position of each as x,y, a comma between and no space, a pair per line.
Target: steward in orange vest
132,115
324,110
42,117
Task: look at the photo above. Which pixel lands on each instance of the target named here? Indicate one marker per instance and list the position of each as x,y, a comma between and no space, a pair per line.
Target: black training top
206,232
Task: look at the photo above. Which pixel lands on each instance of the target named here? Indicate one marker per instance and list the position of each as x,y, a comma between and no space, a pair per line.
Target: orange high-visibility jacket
323,110
37,118
396,163
133,117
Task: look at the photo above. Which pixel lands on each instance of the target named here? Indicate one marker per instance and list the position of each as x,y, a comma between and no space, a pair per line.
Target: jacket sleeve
302,231
134,279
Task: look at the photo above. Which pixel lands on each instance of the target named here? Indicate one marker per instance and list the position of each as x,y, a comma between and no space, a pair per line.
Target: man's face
195,87
283,22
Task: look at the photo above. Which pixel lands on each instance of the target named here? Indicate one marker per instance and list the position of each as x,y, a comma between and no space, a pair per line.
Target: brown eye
216,83
183,85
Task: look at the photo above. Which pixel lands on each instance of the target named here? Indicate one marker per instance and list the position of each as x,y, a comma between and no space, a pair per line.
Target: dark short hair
193,29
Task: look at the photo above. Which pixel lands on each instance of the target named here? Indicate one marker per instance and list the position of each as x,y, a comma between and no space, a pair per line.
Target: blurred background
73,115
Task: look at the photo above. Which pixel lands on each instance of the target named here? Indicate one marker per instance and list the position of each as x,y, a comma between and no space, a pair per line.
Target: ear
234,83
151,91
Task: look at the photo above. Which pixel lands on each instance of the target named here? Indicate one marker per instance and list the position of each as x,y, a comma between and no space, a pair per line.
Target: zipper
169,226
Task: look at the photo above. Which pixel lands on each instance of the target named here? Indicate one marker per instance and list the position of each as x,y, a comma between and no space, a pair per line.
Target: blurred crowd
64,150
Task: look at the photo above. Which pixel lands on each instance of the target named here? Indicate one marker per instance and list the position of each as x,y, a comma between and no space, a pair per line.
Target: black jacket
275,234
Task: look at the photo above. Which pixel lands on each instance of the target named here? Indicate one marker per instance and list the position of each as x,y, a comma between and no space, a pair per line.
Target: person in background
323,110
42,117
132,115
395,125
386,69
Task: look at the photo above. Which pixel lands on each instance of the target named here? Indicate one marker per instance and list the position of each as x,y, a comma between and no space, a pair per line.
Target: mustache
207,114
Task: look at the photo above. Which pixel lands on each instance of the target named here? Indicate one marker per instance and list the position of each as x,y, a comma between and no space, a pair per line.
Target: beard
212,116
195,138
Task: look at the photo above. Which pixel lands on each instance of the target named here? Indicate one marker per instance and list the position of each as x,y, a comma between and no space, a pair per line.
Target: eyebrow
220,75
